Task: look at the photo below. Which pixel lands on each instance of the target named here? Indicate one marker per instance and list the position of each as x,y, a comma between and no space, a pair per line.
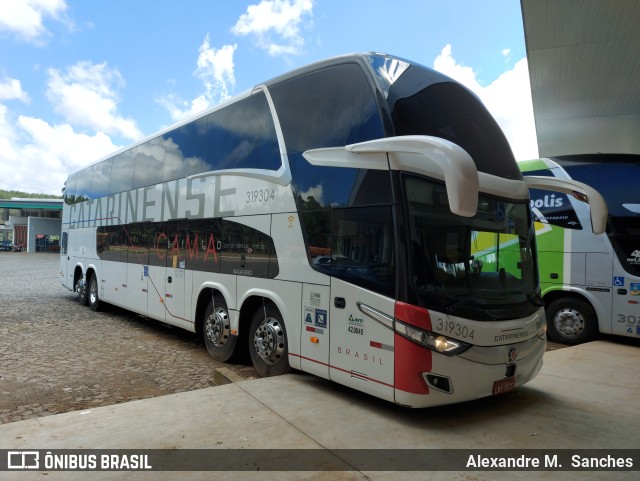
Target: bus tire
216,330
94,300
571,321
81,289
268,342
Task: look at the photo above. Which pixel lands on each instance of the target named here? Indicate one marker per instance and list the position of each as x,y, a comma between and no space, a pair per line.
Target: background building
36,223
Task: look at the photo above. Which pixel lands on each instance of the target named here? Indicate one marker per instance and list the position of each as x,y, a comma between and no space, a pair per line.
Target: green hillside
8,194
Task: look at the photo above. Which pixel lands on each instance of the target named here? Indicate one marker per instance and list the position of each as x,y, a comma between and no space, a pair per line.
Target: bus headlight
430,340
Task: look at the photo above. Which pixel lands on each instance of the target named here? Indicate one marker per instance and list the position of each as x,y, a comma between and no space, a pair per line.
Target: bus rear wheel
94,300
217,330
81,290
268,342
571,321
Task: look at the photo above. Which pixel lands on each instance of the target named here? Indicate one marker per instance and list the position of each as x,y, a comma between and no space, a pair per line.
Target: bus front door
361,345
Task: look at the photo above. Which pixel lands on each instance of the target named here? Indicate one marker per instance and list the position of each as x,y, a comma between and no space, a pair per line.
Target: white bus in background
324,221
590,283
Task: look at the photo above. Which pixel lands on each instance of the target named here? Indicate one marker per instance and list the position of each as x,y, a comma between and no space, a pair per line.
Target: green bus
590,282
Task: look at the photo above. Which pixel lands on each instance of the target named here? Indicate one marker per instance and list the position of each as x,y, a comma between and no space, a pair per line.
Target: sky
80,79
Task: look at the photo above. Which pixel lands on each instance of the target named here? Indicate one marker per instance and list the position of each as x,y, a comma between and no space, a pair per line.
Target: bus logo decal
308,318
321,318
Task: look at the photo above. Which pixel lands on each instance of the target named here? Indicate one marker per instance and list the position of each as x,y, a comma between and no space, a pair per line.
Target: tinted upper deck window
149,163
242,136
70,189
122,171
101,178
83,187
330,107
616,182
184,150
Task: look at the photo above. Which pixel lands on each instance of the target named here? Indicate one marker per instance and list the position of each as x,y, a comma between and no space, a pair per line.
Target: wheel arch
556,294
91,271
260,333
249,304
207,291
82,272
254,299
78,273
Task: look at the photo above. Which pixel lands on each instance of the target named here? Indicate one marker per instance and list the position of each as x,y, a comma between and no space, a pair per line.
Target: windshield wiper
535,297
460,301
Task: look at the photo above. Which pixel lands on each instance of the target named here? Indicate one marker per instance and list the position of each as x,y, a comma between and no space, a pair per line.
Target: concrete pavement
584,398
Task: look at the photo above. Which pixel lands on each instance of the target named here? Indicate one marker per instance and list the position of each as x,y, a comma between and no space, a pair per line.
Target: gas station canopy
584,67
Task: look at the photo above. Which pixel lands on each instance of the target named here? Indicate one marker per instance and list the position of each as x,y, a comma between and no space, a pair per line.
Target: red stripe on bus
414,315
410,361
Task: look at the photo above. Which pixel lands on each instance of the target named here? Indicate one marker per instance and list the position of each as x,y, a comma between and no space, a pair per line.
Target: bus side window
242,136
184,150
100,179
149,163
63,244
247,251
138,243
121,172
362,248
330,107
317,226
70,189
83,187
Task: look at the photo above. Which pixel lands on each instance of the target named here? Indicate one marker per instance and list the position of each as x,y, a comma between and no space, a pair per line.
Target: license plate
504,385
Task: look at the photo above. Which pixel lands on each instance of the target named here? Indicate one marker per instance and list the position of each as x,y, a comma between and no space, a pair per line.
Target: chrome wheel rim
569,322
93,291
217,327
269,340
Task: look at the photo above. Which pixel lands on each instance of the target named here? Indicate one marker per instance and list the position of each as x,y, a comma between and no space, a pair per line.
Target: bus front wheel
217,335
268,342
571,321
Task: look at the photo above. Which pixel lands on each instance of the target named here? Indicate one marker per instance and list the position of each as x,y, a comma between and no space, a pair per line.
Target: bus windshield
477,265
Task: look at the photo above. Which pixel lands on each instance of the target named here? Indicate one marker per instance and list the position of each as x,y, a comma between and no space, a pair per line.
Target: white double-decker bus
328,221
